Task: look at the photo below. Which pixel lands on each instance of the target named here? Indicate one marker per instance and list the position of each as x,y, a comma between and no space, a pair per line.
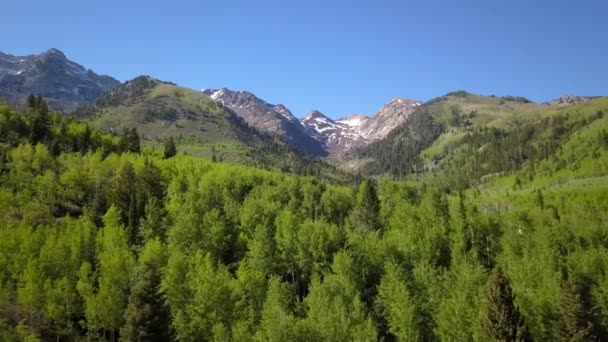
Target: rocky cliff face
342,135
569,100
316,133
276,119
65,84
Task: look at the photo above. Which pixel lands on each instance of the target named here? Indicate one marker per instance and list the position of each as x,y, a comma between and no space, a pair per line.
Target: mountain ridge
64,83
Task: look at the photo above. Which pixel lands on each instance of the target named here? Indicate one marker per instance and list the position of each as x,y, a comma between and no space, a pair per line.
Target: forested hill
465,139
101,239
201,127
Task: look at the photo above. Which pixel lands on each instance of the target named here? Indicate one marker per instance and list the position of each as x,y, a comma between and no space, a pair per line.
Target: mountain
336,137
202,126
275,119
463,139
161,109
345,134
65,84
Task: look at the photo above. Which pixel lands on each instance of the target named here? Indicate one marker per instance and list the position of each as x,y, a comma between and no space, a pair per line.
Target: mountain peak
53,55
315,114
54,51
402,101
64,83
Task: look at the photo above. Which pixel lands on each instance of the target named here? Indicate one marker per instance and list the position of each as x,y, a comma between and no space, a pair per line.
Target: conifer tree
152,180
31,101
540,199
502,320
574,322
170,149
367,211
127,198
129,141
146,318
40,130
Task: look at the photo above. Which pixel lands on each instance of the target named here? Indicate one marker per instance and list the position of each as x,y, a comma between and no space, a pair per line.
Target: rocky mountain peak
275,119
316,115
65,84
399,102
53,53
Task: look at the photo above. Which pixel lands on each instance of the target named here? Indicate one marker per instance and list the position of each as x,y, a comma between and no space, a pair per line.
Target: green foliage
397,305
147,318
99,244
367,210
170,149
502,320
574,323
129,141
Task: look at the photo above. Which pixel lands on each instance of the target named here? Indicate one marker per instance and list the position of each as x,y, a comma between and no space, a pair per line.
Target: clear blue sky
340,57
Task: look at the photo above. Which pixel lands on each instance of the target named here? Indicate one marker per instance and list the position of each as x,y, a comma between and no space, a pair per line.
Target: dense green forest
102,238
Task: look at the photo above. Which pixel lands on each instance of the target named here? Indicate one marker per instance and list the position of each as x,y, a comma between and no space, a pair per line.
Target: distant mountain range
161,109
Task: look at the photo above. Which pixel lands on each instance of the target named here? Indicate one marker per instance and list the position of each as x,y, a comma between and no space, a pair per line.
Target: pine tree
127,197
129,141
574,322
40,129
170,149
146,318
502,320
367,211
540,200
31,101
99,205
152,180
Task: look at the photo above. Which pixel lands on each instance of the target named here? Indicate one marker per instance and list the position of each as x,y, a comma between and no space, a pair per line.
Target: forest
105,238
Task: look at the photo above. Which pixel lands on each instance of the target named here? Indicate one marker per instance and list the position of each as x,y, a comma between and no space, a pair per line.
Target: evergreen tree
40,128
170,149
367,211
99,205
129,141
152,180
540,199
31,101
127,197
501,320
146,318
574,322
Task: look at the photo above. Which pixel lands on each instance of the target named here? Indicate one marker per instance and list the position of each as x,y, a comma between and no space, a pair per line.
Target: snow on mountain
342,135
316,131
274,119
354,120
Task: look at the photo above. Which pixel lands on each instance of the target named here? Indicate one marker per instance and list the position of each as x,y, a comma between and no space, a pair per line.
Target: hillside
464,138
103,240
202,127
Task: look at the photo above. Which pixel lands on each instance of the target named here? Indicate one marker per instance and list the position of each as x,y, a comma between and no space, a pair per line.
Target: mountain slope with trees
463,139
164,112
101,238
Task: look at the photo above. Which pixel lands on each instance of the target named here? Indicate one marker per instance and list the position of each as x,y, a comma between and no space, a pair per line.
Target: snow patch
354,121
217,94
